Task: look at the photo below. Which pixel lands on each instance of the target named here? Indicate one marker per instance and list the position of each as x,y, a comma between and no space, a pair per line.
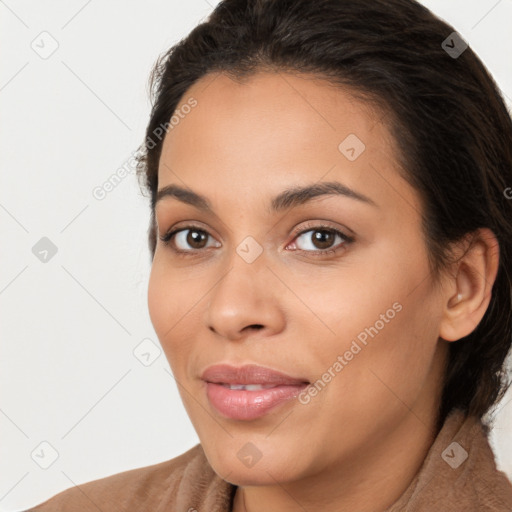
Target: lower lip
239,404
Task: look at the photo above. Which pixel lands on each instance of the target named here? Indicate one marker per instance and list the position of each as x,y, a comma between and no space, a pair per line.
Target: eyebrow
289,198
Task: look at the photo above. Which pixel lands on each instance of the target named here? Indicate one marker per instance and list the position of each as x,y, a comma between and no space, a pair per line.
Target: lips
249,374
249,392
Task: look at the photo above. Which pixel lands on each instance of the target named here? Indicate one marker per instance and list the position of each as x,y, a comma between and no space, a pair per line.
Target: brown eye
189,239
321,240
196,239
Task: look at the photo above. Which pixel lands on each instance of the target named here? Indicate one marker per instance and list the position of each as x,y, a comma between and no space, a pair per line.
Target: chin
245,464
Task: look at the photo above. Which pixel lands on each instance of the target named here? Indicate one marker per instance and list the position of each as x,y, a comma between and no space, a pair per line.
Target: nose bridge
246,255
243,276
242,295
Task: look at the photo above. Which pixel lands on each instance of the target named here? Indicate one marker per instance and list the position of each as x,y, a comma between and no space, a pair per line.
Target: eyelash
168,237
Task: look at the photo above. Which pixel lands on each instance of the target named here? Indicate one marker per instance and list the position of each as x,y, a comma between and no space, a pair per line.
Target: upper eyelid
318,225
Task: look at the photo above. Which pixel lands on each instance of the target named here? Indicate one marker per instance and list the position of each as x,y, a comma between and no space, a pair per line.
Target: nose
245,300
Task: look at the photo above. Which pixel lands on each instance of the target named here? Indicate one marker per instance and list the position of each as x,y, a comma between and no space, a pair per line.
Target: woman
331,241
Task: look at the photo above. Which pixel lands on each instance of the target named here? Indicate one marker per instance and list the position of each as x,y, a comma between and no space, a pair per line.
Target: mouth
249,375
246,387
250,391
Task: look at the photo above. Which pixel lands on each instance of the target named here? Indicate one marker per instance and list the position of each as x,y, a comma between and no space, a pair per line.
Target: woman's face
251,284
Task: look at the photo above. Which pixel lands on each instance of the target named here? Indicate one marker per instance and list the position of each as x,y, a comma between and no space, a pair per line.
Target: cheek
388,358
380,317
349,300
159,301
171,309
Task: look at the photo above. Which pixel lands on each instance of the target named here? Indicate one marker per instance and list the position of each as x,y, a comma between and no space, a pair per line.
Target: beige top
448,481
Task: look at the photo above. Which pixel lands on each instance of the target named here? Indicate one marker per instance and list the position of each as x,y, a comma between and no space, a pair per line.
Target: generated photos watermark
355,348
129,166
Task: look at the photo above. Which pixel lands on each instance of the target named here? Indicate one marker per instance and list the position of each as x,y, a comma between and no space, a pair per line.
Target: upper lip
248,374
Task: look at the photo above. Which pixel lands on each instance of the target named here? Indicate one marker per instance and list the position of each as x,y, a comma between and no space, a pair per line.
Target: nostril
255,326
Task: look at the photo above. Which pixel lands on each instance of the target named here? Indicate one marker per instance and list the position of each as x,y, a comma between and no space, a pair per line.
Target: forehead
272,130
304,104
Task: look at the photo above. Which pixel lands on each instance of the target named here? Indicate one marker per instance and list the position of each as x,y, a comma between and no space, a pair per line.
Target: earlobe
469,294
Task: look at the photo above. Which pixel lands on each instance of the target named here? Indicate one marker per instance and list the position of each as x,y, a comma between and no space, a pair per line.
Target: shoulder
459,472
492,486
470,461
184,483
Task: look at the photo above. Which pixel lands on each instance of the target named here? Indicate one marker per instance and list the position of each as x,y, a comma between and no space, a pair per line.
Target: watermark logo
454,45
351,147
44,455
249,249
454,455
45,45
44,250
249,454
147,352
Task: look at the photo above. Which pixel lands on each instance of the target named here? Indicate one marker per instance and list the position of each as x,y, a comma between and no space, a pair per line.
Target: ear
469,288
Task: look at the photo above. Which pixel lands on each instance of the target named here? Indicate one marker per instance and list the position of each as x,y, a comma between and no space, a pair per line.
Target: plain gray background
70,378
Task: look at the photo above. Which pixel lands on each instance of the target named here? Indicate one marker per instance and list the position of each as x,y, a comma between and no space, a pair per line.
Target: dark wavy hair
445,112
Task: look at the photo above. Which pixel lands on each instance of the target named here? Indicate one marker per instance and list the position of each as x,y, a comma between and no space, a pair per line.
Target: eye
317,240
188,239
320,240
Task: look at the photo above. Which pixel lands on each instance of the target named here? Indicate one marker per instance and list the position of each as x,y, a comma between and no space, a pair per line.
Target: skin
359,442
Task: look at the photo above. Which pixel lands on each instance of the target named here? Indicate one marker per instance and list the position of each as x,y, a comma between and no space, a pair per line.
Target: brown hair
444,110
